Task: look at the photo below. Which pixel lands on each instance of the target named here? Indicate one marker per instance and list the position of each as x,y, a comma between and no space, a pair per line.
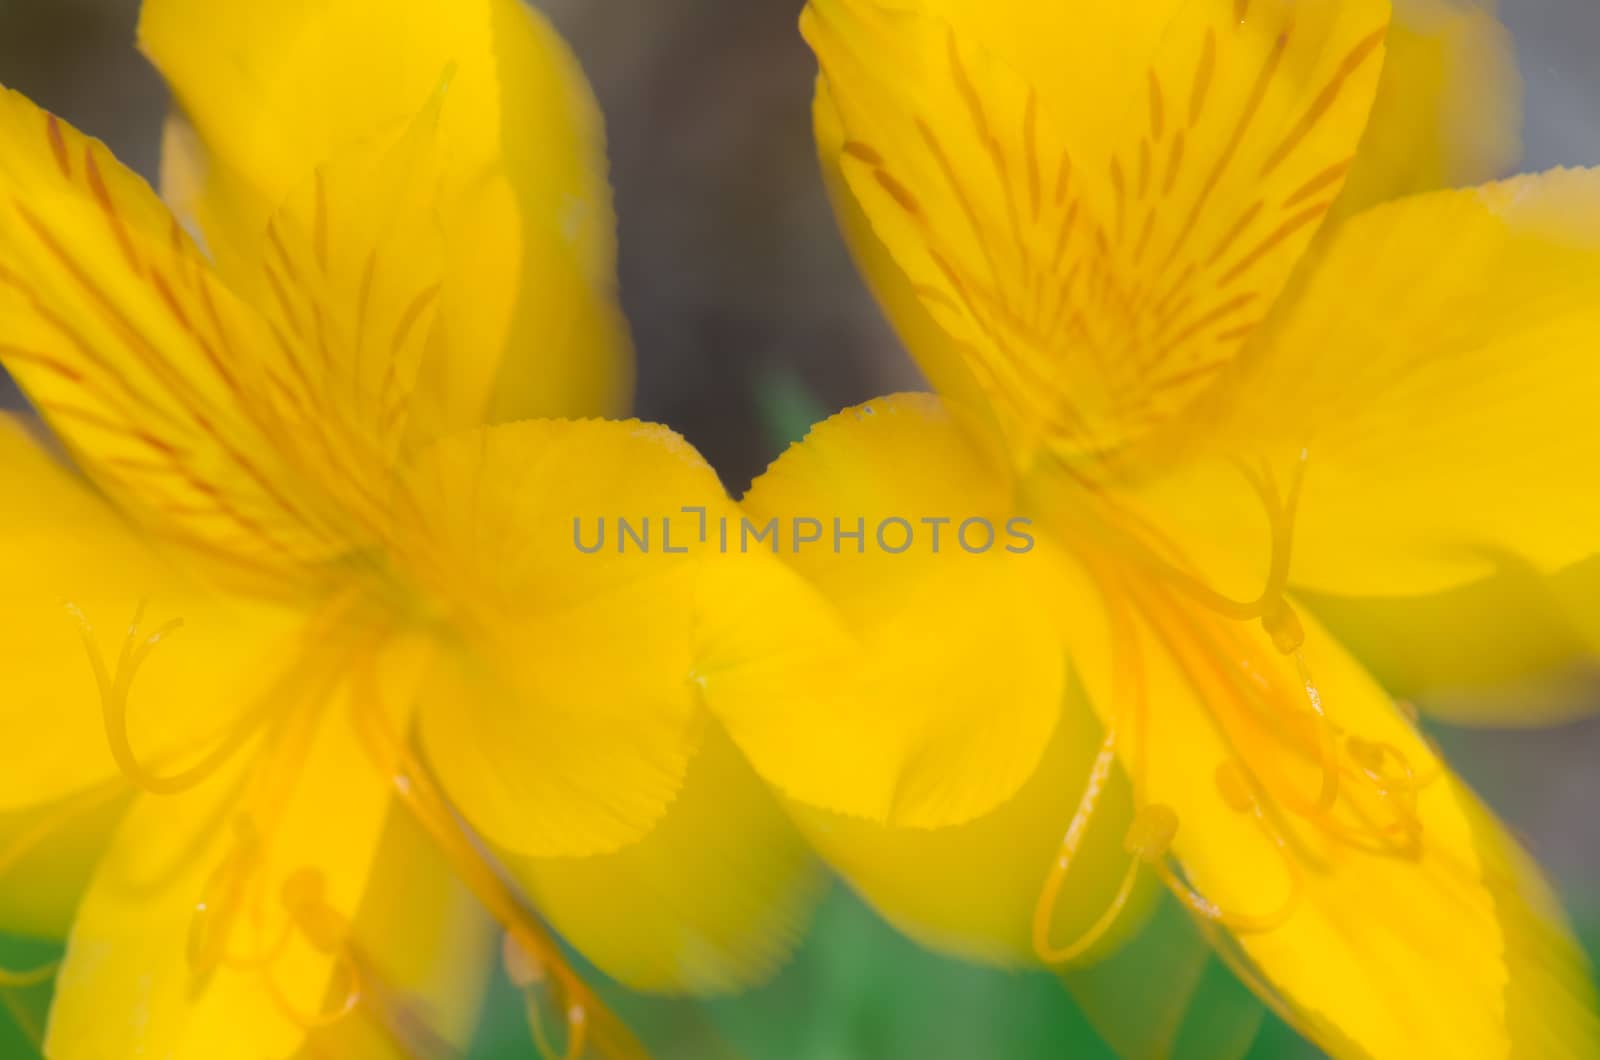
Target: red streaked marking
58,144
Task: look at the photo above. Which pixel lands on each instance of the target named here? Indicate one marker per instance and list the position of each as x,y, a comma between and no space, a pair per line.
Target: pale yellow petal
1380,928
529,299
431,952
902,675
711,901
1095,289
140,358
565,716
77,577
169,954
1435,374
972,889
1449,107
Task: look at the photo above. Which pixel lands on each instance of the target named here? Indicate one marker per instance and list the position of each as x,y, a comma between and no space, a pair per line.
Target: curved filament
530,977
1280,513
14,980
1327,738
313,1021
415,789
1044,908
114,687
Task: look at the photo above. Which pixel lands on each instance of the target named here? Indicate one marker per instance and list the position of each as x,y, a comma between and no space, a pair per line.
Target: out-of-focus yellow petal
1449,107
712,900
1379,927
430,948
910,682
64,554
1550,993
151,970
1435,375
971,889
1095,289
564,720
530,322
140,359
1514,649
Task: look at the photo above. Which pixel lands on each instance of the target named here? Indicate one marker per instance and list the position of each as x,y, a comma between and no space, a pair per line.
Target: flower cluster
297,637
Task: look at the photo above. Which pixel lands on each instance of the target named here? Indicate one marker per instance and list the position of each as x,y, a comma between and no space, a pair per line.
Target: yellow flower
296,544
1103,232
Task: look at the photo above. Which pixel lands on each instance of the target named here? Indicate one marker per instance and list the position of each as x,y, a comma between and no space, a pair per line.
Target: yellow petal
711,901
1550,994
1449,107
73,570
908,684
1095,289
531,326
935,352
140,359
1435,375
565,718
971,890
431,949
1381,927
134,981
1458,658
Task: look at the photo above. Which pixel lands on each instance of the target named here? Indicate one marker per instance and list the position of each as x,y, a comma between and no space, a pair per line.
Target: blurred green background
750,322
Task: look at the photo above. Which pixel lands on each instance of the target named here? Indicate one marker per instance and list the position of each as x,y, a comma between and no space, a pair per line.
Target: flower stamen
529,977
114,687
416,790
1239,797
1050,894
324,929
14,980
221,899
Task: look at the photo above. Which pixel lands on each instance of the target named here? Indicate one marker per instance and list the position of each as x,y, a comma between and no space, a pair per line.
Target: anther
304,898
521,968
1365,753
215,911
1282,624
1236,793
1150,836
528,975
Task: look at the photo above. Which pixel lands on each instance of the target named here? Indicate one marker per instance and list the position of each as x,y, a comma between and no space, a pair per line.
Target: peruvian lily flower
319,631
1131,246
